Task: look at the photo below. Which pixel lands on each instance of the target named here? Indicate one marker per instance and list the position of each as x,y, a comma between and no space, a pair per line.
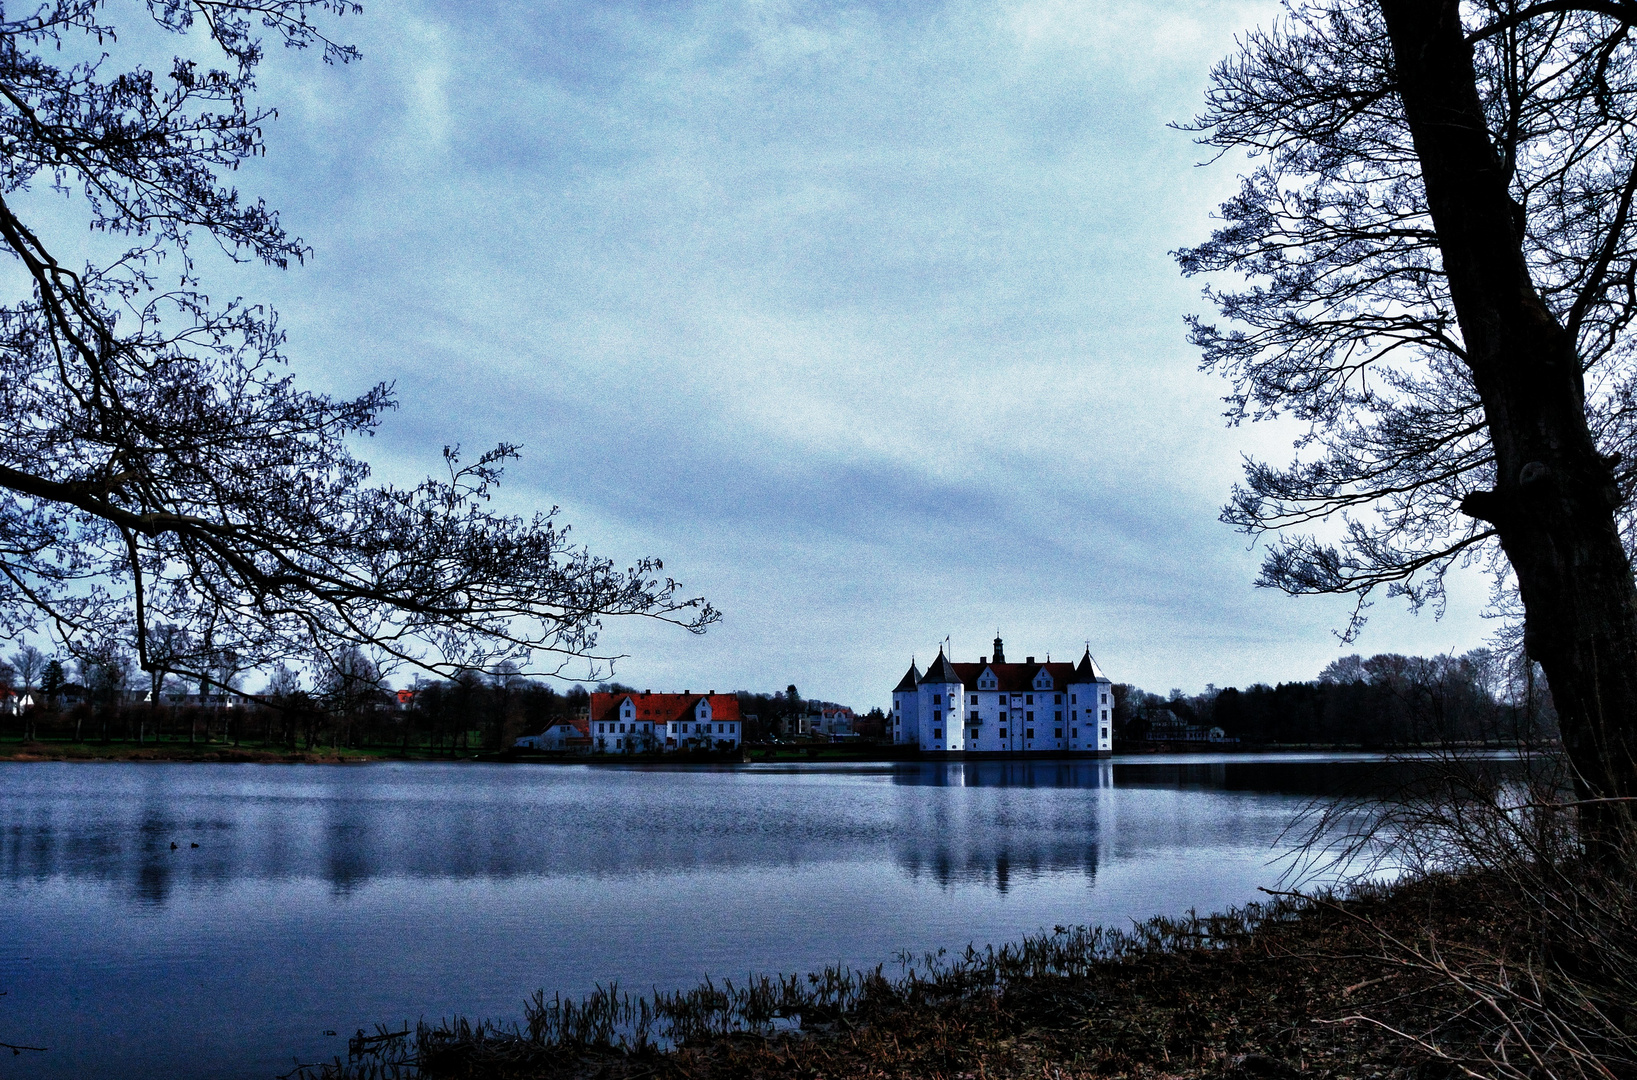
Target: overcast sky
860,316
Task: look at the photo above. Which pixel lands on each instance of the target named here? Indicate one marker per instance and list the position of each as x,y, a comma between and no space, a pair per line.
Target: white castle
998,708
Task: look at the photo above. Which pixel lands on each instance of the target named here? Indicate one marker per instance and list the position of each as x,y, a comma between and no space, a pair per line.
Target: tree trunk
1555,496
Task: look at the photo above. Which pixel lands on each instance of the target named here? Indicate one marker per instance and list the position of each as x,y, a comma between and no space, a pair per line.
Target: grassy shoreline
1289,988
254,752
197,752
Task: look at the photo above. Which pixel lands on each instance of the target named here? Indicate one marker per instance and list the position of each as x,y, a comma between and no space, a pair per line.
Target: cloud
860,315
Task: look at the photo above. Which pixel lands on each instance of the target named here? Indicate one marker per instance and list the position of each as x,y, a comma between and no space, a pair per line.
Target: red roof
577,722
1017,678
663,708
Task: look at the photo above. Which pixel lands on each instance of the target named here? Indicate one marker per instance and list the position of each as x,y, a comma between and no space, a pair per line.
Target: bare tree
168,647
352,684
158,465
104,670
29,663
1440,242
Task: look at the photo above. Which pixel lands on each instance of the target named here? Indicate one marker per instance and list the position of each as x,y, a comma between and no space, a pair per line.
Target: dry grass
1291,987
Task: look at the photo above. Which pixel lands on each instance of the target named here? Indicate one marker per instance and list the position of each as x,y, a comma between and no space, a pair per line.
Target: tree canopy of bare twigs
161,475
1439,267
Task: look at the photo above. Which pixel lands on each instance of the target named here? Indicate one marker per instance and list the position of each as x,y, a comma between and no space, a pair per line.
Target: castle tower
941,703
1000,650
906,700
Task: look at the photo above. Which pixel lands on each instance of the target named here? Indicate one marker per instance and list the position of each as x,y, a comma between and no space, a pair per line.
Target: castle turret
1000,650
940,707
906,714
1092,693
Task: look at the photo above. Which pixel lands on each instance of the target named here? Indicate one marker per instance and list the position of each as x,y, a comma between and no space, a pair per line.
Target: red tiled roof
663,708
1016,677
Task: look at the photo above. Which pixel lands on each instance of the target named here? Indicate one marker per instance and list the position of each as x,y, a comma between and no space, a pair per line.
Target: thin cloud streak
860,315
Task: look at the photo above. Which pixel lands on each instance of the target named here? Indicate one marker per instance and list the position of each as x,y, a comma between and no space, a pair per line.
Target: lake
324,899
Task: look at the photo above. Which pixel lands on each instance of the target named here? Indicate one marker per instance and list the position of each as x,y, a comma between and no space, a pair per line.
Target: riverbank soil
1304,991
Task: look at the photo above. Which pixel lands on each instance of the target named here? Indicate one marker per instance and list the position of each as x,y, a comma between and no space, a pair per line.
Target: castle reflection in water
974,822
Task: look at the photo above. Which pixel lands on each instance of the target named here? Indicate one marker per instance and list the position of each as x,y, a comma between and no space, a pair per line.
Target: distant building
827,719
1167,726
565,735
999,708
635,723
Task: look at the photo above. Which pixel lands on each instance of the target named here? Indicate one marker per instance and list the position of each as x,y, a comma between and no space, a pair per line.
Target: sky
861,316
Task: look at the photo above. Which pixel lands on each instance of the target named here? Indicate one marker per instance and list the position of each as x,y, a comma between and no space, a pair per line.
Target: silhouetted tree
1441,243
29,664
158,465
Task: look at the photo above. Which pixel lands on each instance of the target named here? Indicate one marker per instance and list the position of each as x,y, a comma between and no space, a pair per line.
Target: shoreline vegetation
214,751
1292,987
1477,937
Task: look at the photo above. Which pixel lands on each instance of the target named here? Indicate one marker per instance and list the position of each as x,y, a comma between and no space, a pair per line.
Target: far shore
783,753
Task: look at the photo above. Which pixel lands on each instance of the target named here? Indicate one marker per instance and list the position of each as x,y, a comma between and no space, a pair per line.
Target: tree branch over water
160,467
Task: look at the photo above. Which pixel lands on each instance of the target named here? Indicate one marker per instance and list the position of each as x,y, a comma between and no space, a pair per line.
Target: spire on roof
911,677
1087,667
1000,650
941,671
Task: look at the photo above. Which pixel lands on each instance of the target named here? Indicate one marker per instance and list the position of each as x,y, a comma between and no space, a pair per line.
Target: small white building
993,707
830,720
563,735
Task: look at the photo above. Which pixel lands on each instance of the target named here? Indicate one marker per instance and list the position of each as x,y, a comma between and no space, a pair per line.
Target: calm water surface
330,898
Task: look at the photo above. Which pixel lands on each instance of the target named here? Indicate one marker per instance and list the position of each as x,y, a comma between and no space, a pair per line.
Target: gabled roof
1020,678
942,671
663,708
911,677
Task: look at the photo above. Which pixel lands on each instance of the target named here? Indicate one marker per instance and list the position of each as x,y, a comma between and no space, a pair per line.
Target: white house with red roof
993,707
569,734
636,723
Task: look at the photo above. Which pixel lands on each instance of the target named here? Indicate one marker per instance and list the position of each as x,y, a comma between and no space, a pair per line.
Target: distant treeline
350,706
1385,700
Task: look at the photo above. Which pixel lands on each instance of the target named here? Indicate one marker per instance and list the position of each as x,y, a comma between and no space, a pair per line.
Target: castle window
1058,700
937,733
1003,716
937,699
1029,734
1028,699
1003,733
1105,733
937,715
1105,714
1029,716
1058,716
1105,699
1073,698
1074,733
1058,733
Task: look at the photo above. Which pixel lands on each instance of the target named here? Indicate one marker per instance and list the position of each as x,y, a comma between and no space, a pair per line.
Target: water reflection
288,918
150,830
